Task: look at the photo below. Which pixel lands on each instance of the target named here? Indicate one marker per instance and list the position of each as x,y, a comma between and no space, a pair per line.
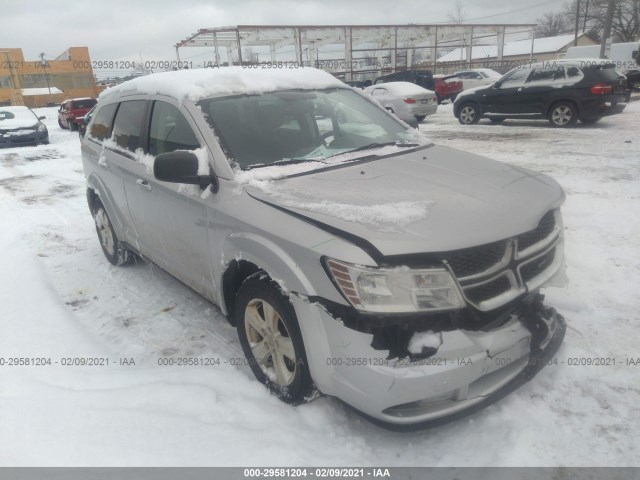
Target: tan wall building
30,83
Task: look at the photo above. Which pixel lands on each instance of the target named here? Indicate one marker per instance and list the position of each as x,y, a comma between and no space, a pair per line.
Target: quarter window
128,124
101,127
170,130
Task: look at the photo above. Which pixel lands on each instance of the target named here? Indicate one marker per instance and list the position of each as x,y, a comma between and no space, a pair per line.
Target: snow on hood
469,91
17,117
209,82
428,199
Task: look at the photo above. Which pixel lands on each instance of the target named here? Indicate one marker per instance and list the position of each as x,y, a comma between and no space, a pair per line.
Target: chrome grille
542,231
476,260
485,291
494,274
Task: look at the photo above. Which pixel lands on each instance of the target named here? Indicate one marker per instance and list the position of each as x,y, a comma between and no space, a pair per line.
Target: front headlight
395,290
42,128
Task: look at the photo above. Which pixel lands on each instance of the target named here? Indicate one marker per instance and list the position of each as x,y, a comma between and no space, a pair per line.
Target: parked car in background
477,77
562,91
447,87
407,100
71,112
355,258
82,128
21,126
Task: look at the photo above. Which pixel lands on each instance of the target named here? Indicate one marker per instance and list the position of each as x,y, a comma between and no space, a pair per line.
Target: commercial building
38,83
513,53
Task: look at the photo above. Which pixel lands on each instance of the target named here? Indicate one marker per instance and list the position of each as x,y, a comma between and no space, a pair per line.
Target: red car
71,112
446,87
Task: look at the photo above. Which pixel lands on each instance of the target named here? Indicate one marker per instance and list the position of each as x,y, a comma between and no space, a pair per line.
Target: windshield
299,125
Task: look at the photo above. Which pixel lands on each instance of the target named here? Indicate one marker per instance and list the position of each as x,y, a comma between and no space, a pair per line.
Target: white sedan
405,99
477,77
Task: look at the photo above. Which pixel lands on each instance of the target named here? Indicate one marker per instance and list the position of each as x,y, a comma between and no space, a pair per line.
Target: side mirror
181,166
86,119
497,84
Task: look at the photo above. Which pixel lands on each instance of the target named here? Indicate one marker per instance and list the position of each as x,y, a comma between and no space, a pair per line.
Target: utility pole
575,39
586,12
607,27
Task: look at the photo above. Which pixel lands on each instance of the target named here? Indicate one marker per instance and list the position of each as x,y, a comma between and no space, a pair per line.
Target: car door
170,218
542,84
109,169
504,97
473,79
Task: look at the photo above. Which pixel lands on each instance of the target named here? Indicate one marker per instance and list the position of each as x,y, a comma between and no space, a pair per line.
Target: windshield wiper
370,146
288,161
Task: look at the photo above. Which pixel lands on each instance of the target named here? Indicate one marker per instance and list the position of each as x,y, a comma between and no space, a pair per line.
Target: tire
61,125
420,118
563,114
469,114
73,127
268,327
439,98
111,246
590,121
497,119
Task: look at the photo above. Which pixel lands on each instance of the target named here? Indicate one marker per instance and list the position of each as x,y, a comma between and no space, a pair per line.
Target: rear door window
101,127
547,75
127,128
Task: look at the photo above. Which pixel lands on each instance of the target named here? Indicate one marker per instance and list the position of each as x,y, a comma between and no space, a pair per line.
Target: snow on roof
40,91
520,47
209,82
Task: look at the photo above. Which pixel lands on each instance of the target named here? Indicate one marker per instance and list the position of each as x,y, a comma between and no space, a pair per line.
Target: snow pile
424,340
208,82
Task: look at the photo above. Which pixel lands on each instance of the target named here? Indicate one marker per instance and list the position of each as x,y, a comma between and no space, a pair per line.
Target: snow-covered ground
59,298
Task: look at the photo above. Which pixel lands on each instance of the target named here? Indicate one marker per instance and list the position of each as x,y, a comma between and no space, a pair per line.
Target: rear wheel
73,126
111,246
563,114
271,340
469,114
420,118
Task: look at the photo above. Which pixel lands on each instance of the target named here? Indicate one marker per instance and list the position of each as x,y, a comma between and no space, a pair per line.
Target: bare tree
552,24
457,14
592,14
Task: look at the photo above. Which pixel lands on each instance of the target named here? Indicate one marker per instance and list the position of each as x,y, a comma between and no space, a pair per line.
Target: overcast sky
127,29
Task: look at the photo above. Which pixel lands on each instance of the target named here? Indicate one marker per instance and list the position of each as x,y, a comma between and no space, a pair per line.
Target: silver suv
356,258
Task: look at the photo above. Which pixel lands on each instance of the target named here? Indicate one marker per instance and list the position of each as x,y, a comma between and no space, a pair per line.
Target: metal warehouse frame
349,51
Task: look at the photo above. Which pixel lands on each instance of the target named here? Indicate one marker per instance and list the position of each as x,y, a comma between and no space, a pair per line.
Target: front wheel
563,114
271,340
111,246
469,114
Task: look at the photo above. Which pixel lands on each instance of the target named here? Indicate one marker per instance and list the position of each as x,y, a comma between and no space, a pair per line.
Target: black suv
561,91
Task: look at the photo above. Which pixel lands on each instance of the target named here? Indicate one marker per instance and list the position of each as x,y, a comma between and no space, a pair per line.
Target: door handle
143,184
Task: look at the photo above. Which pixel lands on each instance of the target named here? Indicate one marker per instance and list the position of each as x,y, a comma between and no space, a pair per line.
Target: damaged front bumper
469,370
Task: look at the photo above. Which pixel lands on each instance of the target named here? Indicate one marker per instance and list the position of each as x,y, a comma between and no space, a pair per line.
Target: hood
472,90
431,199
